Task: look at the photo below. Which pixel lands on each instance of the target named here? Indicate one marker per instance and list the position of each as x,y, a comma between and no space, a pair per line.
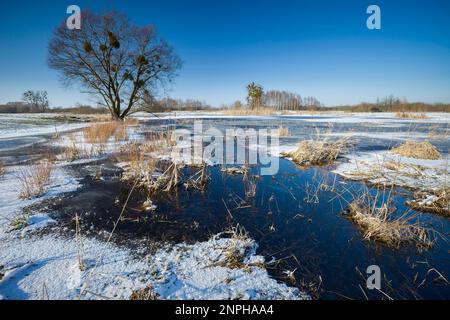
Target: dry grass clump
234,256
283,131
249,112
320,152
199,180
378,224
418,150
72,151
232,171
121,133
100,132
438,202
2,169
141,165
407,115
33,179
145,294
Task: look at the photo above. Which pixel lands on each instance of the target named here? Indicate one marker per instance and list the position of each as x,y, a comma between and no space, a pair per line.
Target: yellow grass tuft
34,178
283,131
121,133
322,152
144,294
418,150
249,112
406,115
2,169
377,223
438,202
100,132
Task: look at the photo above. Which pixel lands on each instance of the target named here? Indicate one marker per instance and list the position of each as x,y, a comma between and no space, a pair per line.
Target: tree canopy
117,61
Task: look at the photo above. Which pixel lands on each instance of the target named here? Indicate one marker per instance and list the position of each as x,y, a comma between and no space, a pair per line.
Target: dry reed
316,152
418,150
374,216
33,179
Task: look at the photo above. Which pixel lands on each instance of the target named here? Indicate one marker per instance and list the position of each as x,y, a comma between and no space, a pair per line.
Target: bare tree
113,59
282,100
37,100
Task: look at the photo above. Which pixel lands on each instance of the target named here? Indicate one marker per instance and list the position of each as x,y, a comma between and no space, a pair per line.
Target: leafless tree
37,100
282,100
113,59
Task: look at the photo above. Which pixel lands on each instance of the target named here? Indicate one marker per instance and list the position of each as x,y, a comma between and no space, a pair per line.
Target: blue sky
317,48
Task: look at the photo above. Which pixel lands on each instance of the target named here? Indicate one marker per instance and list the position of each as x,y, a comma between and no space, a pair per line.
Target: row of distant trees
32,101
152,104
278,100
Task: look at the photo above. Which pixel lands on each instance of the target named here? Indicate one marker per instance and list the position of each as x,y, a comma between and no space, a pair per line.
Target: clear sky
318,48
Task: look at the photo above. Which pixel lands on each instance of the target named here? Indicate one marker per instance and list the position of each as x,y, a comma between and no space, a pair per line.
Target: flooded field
292,229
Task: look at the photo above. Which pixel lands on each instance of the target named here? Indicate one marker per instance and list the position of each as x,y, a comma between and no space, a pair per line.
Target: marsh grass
100,132
417,150
199,180
234,256
262,111
2,169
34,178
233,171
19,222
437,202
283,131
72,152
409,115
317,152
144,294
375,216
121,133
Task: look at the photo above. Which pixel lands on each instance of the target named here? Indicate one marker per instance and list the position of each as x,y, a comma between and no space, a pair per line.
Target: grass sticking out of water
316,152
438,202
374,216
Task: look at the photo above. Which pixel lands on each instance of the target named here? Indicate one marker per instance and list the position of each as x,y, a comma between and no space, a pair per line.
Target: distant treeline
277,100
21,107
392,104
151,104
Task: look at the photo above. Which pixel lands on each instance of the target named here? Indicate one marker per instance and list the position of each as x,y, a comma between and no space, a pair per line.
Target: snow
10,186
38,221
387,168
195,272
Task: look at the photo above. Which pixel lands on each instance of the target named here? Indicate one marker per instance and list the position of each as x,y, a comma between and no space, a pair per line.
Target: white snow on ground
10,186
13,132
387,168
197,272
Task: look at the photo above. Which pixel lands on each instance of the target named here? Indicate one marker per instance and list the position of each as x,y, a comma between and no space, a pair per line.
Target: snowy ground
383,167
